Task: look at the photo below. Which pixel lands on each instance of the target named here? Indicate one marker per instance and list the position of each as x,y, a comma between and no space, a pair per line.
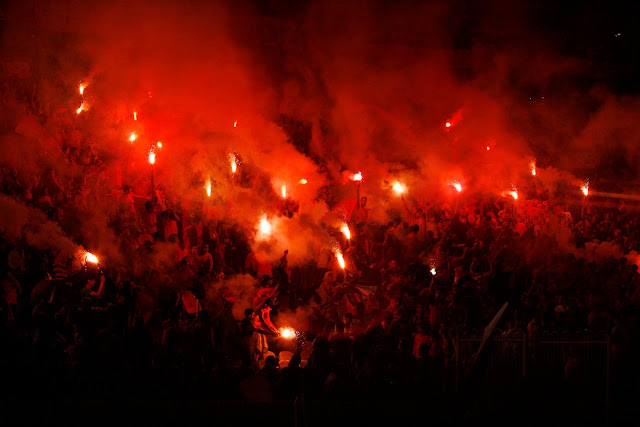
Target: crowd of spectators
162,323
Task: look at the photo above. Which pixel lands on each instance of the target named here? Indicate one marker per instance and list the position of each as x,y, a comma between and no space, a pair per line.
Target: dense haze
320,90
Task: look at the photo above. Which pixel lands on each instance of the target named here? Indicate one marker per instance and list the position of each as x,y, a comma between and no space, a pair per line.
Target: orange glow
81,87
345,230
488,148
159,144
208,187
303,181
152,157
533,168
89,257
433,271
135,116
133,136
585,188
514,193
287,333
357,176
399,188
457,186
284,191
235,123
340,258
234,165
448,124
81,109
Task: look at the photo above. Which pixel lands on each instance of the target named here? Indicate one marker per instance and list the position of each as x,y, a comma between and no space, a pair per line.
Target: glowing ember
399,188
89,257
345,230
81,109
533,168
287,333
81,87
284,191
159,144
152,157
340,258
234,164
433,271
457,186
357,176
448,124
303,181
585,188
135,116
208,187
488,148
133,136
264,226
235,123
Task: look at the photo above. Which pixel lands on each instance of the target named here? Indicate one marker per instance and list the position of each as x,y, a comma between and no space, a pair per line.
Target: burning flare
585,188
457,186
264,226
80,109
433,271
357,177
448,124
135,115
234,164
303,181
533,168
345,230
132,137
399,188
340,258
514,193
235,123
89,257
287,333
81,87
152,157
284,191
208,186
159,144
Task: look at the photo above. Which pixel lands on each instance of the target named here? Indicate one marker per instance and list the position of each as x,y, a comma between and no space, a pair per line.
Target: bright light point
81,88
135,116
235,123
448,124
89,257
399,188
533,168
284,191
303,181
457,186
234,164
488,148
514,193
264,226
81,109
152,157
340,258
357,176
585,188
159,144
287,333
433,271
345,230
133,136
208,187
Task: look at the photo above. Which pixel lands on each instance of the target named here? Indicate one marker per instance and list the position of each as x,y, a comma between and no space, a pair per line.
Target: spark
284,191
235,123
433,271
514,192
81,87
135,116
340,258
133,136
80,109
457,186
159,144
303,181
152,157
448,124
234,164
533,168
357,177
